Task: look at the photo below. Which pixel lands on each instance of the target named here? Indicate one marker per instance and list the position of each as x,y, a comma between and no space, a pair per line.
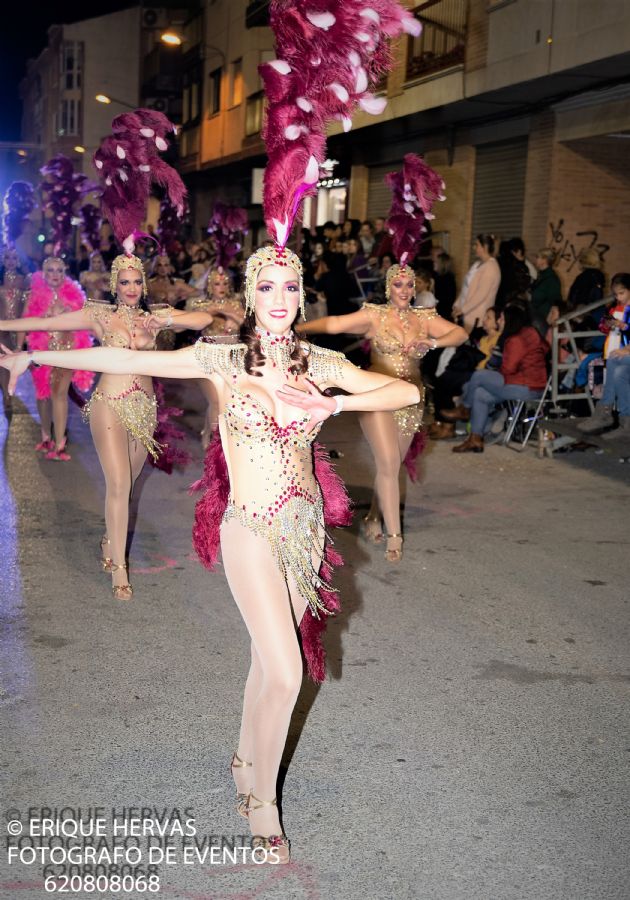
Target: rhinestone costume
219,325
12,295
389,357
135,405
283,501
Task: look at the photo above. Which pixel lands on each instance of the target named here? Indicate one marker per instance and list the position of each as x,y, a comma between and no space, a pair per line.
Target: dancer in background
400,335
13,286
95,280
53,294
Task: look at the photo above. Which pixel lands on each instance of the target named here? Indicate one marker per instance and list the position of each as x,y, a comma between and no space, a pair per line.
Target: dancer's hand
312,400
154,324
15,362
420,346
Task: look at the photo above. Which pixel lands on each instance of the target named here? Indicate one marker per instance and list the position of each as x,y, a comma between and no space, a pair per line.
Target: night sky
23,35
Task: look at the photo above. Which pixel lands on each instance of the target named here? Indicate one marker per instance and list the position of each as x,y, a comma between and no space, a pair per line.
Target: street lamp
106,98
172,39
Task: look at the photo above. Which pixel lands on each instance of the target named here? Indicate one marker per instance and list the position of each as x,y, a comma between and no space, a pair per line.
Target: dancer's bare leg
389,448
44,408
60,380
121,461
270,611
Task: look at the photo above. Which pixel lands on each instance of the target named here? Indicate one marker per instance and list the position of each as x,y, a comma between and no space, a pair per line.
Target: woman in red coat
522,375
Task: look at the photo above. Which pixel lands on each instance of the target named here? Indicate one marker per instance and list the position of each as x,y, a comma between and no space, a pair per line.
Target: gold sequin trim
136,410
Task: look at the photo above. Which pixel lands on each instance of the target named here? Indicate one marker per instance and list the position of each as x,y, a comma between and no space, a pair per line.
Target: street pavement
471,740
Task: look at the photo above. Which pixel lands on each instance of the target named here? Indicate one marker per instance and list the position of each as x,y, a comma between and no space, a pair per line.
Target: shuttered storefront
379,195
500,189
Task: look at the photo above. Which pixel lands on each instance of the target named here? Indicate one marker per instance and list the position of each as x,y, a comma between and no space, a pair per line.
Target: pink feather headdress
331,53
227,226
128,162
414,191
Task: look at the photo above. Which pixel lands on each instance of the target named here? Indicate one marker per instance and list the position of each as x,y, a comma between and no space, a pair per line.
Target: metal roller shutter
379,195
500,189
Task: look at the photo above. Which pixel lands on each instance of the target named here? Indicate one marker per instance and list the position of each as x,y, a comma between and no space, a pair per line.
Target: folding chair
525,413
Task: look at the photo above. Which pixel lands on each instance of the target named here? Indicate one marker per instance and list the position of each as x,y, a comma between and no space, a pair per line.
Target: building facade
522,105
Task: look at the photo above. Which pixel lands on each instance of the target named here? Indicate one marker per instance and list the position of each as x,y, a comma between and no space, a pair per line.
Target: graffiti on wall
568,250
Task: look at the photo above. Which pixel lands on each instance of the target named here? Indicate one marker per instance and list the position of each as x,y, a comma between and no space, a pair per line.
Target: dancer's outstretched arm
194,320
109,360
78,320
442,333
352,323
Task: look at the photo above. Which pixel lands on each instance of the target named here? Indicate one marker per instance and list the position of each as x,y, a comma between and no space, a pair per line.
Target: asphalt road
472,738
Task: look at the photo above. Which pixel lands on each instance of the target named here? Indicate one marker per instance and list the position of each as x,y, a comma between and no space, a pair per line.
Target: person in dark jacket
589,284
515,278
522,376
445,287
546,290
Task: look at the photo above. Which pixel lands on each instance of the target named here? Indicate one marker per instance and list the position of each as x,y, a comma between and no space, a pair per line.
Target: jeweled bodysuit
389,357
12,294
219,325
276,494
131,397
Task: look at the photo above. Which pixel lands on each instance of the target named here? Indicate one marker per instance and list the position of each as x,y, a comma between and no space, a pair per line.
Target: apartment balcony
442,43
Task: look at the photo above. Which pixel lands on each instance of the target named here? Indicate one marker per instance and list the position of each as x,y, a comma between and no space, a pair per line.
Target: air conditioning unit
154,18
159,104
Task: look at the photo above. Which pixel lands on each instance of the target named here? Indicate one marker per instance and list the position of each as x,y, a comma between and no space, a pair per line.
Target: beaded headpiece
270,256
397,271
121,263
53,259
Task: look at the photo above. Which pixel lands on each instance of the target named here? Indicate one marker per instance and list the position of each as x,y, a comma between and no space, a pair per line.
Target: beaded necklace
277,348
129,315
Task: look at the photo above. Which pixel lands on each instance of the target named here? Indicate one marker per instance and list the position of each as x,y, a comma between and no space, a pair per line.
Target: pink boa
209,511
417,447
39,299
168,435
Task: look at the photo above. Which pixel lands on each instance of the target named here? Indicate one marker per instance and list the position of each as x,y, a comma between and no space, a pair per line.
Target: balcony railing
442,43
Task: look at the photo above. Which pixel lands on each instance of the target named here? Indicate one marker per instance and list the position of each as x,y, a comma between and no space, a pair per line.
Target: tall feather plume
17,205
61,191
91,221
227,225
330,57
414,191
128,163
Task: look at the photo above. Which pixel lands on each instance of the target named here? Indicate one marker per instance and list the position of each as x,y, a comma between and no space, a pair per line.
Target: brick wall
538,182
455,213
589,192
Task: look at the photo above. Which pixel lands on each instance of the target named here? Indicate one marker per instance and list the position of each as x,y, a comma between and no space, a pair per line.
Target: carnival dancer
95,280
17,205
52,294
277,522
400,335
227,226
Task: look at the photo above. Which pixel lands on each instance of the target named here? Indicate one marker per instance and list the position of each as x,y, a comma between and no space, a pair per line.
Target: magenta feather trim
61,190
91,221
128,163
39,300
227,225
17,205
330,56
209,511
168,435
415,189
417,447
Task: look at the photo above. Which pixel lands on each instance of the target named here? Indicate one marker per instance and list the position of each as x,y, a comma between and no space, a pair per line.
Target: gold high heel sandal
241,798
278,842
394,555
106,561
121,591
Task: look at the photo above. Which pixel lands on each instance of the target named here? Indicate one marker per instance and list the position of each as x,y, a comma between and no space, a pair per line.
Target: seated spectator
424,290
451,382
546,290
617,386
522,376
445,288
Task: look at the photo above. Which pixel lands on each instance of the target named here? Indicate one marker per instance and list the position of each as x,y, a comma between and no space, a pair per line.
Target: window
70,65
68,119
254,114
214,99
236,82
